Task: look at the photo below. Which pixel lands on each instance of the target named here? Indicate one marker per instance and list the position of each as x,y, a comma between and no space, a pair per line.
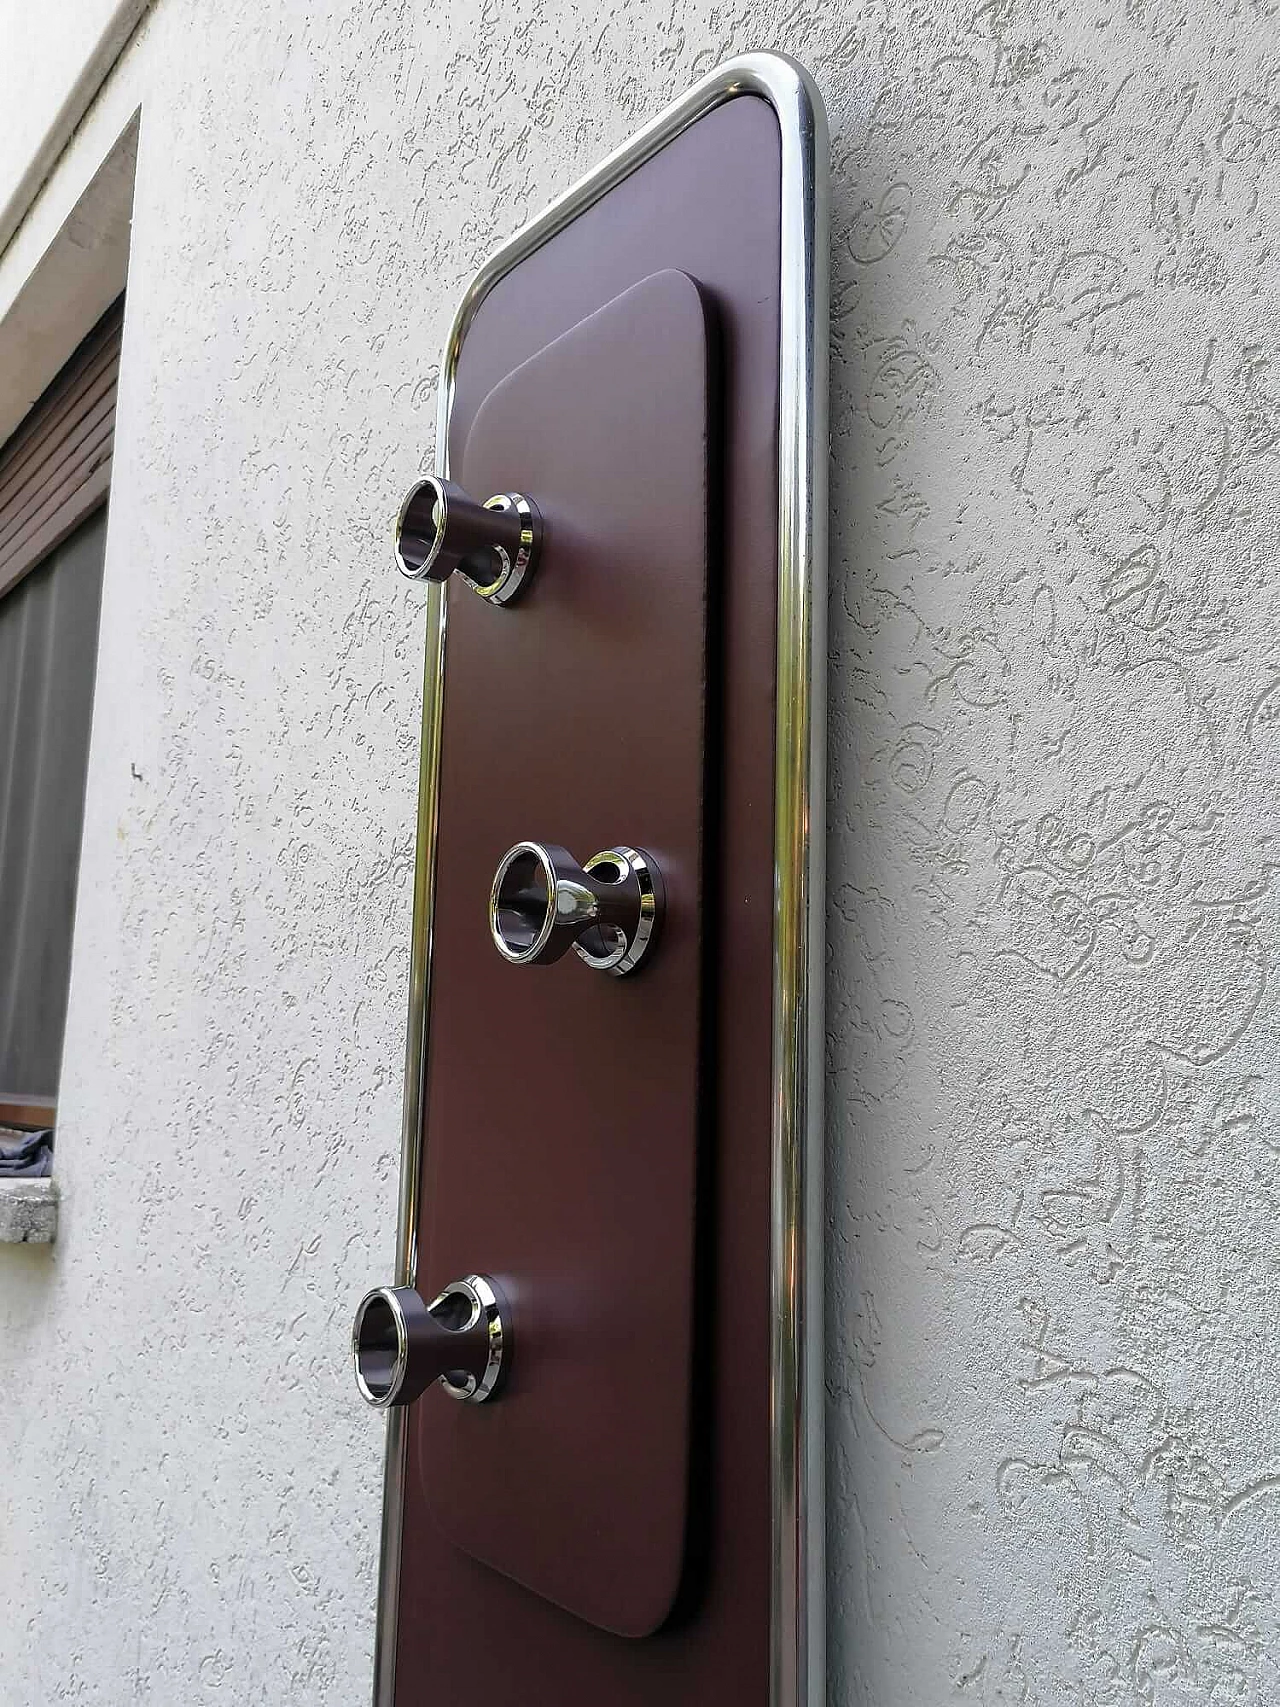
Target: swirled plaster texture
1055,703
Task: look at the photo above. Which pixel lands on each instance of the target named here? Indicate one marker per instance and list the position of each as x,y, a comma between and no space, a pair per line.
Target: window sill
28,1211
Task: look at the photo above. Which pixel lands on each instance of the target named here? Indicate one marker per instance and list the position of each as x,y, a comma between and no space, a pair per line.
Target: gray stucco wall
1055,695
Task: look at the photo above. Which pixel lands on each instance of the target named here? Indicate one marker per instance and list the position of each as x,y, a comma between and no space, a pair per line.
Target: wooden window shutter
56,468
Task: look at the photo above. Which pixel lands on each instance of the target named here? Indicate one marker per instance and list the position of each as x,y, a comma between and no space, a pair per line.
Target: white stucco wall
42,51
1055,1266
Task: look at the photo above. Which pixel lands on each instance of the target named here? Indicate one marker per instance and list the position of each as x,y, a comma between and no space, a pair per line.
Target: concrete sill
28,1211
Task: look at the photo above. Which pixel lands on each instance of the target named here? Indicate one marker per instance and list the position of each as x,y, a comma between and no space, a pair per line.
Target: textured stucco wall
1055,1267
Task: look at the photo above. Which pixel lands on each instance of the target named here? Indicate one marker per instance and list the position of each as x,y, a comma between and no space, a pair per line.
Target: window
54,478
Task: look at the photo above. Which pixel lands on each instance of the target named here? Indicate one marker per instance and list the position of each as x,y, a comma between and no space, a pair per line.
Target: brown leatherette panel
564,1104
707,205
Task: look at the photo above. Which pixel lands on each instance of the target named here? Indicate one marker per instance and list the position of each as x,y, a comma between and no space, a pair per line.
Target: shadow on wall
26,1278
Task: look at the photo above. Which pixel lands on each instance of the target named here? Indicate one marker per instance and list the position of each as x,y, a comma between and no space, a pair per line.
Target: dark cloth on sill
25,1155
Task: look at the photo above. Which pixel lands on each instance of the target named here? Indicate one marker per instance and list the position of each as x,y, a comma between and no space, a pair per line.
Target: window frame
55,472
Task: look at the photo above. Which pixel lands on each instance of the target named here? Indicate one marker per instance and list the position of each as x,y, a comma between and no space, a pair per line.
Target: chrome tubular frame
797,1625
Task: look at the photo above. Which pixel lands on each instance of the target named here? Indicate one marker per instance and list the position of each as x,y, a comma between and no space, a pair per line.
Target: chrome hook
401,1345
494,546
543,902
